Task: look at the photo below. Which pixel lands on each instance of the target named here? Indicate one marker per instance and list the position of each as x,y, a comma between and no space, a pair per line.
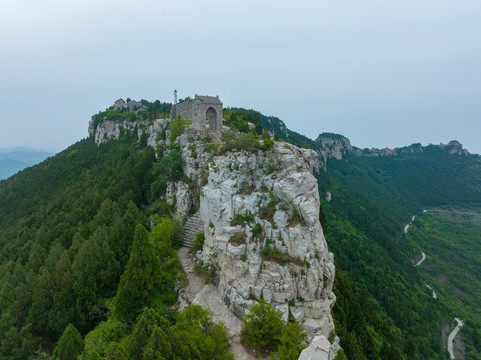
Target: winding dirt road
452,336
421,261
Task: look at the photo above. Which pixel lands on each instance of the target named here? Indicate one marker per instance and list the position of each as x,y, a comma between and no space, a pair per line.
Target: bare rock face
318,349
263,236
336,147
261,221
196,155
454,147
112,129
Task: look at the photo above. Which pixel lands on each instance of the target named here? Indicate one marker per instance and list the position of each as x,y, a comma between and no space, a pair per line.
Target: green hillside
451,240
372,200
88,259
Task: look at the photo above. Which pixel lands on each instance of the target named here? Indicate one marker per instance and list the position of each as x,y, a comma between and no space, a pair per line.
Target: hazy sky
382,73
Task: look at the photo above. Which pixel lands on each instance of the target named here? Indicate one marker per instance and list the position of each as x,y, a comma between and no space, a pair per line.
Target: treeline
239,118
66,236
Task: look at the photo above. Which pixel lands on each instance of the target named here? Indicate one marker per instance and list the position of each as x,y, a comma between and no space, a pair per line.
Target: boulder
318,349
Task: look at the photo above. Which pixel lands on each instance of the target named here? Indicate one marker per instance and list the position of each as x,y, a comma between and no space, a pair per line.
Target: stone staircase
191,228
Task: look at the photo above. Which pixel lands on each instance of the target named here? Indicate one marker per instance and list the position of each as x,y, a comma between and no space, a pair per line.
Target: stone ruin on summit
204,111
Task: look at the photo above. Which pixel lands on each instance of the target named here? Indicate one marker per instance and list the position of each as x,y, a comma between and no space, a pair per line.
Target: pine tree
63,308
69,346
41,301
291,340
116,352
142,331
262,326
122,233
158,346
161,236
95,274
140,279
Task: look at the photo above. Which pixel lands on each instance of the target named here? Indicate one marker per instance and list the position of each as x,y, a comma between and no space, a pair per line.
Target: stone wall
198,110
183,109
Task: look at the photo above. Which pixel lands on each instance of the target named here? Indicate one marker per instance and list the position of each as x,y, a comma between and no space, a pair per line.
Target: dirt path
455,331
461,212
208,296
406,228
452,335
434,294
421,261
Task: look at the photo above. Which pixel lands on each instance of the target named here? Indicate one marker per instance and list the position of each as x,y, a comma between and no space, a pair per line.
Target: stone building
204,111
132,105
119,104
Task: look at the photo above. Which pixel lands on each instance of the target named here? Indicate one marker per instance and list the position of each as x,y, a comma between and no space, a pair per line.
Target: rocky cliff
261,221
111,130
263,236
334,146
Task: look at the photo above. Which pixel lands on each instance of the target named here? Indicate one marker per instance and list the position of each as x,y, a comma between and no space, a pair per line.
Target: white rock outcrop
112,129
261,221
318,349
263,236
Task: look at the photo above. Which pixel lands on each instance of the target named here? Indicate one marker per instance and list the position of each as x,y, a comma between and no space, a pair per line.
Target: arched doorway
211,116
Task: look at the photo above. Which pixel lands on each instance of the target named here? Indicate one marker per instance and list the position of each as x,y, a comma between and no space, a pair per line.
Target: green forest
89,268
450,237
372,200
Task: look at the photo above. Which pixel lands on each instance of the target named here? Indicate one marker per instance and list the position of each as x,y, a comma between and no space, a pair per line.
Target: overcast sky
382,73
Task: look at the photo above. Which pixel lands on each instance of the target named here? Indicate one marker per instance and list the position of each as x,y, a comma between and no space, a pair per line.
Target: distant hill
13,160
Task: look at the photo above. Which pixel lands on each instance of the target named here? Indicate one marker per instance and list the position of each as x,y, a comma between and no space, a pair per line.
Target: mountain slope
67,227
65,231
450,238
372,197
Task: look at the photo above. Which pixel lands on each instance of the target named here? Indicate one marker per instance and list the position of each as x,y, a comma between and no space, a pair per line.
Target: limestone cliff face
263,236
334,146
112,129
454,148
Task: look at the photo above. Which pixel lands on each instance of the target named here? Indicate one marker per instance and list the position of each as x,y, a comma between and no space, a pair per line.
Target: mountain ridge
86,200
16,159
336,145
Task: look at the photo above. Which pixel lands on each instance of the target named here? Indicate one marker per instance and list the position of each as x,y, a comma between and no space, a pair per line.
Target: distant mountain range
13,160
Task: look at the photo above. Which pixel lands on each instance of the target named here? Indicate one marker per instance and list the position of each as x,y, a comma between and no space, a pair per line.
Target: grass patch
267,211
239,141
280,257
241,219
257,231
295,218
238,238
